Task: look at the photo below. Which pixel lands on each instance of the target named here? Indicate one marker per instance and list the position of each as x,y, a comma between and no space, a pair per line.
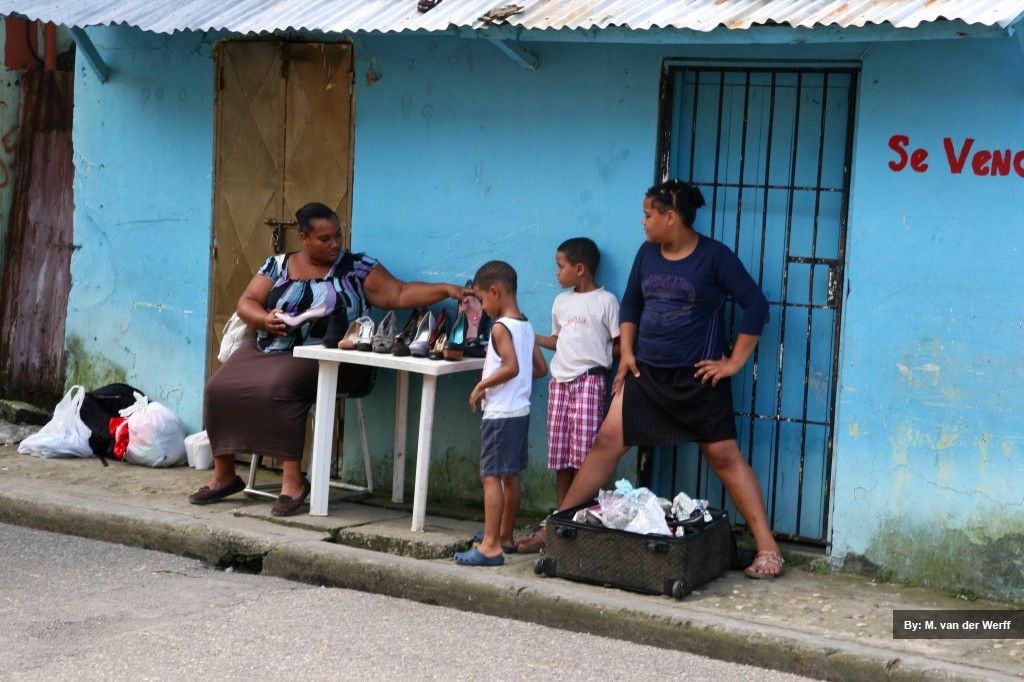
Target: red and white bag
156,437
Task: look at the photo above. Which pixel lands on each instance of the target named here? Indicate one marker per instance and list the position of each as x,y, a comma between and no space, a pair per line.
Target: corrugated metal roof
262,16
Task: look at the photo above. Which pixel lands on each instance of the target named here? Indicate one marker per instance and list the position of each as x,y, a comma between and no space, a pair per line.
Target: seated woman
258,401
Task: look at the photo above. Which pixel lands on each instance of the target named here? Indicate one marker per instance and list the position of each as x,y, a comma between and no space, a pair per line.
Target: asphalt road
76,609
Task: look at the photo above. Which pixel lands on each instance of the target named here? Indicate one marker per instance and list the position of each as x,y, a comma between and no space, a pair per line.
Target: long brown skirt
258,403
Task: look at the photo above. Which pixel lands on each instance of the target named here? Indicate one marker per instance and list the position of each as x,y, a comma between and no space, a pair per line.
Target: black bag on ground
98,407
654,564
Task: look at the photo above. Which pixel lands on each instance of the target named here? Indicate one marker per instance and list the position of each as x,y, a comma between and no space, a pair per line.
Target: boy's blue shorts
503,445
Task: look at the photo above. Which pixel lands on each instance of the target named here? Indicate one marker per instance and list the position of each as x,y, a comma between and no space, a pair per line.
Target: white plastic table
323,430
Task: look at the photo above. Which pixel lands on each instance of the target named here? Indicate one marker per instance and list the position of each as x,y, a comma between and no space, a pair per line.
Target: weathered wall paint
929,467
143,190
461,156
91,369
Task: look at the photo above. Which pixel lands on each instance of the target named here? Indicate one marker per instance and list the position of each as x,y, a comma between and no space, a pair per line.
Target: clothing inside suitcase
653,564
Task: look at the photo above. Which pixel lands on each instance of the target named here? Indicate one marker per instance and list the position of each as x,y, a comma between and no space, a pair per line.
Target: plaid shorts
575,412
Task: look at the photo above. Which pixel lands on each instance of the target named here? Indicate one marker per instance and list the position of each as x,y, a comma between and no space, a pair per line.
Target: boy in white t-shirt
584,332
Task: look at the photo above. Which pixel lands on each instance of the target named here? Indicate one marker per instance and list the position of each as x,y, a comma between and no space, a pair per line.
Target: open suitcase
654,564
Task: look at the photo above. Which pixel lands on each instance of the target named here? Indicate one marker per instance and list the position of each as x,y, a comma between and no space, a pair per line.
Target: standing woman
258,401
673,381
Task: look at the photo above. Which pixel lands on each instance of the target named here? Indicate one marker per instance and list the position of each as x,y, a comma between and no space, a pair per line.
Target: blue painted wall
143,150
929,470
461,156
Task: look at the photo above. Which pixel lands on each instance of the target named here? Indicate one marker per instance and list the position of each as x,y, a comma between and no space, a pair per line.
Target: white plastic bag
636,510
198,451
66,435
156,437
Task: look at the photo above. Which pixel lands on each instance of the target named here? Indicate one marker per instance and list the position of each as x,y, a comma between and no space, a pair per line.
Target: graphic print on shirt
668,299
576,325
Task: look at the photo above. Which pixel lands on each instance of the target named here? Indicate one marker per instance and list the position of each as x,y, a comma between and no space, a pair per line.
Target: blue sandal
478,537
473,557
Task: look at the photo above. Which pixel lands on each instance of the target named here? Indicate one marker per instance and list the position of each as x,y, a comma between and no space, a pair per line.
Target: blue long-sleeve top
678,306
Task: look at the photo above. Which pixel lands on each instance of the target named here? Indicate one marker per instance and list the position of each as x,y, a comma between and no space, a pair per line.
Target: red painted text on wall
959,156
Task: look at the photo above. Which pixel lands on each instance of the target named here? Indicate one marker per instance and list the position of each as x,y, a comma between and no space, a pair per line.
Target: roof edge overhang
754,35
781,34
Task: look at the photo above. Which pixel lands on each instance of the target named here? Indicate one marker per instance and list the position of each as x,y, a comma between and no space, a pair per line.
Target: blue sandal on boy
473,557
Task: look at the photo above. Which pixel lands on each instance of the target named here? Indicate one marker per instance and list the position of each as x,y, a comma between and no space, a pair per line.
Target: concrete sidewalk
822,625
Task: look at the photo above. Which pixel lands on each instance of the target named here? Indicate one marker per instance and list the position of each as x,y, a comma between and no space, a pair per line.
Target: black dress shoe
337,325
476,347
404,338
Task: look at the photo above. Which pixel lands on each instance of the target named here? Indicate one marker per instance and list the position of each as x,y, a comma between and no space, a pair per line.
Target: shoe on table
385,336
420,345
364,340
405,337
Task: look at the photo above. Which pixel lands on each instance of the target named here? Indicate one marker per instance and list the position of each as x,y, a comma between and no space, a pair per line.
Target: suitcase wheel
542,566
680,589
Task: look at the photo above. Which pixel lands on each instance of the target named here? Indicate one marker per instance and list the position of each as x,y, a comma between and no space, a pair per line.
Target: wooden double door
283,137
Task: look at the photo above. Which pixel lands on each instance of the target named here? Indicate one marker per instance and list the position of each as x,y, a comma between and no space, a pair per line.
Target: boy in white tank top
512,362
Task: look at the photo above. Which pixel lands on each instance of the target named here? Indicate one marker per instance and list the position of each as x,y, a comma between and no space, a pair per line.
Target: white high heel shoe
364,341
296,320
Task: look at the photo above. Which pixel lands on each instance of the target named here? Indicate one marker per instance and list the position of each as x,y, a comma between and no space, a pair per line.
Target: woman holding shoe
259,399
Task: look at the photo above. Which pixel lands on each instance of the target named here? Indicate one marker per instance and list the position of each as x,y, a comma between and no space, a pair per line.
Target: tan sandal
532,543
764,559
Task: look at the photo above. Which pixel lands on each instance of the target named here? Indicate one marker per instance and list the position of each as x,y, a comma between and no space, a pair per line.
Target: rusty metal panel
260,16
37,272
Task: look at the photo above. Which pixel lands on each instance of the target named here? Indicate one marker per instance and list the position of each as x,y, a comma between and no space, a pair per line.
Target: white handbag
236,333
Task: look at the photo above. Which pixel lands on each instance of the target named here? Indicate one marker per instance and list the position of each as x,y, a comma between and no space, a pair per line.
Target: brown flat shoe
285,505
206,496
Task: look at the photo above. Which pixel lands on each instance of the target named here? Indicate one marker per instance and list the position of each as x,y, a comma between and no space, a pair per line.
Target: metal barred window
770,149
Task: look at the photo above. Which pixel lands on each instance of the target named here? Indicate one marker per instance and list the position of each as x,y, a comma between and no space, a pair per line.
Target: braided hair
682,197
